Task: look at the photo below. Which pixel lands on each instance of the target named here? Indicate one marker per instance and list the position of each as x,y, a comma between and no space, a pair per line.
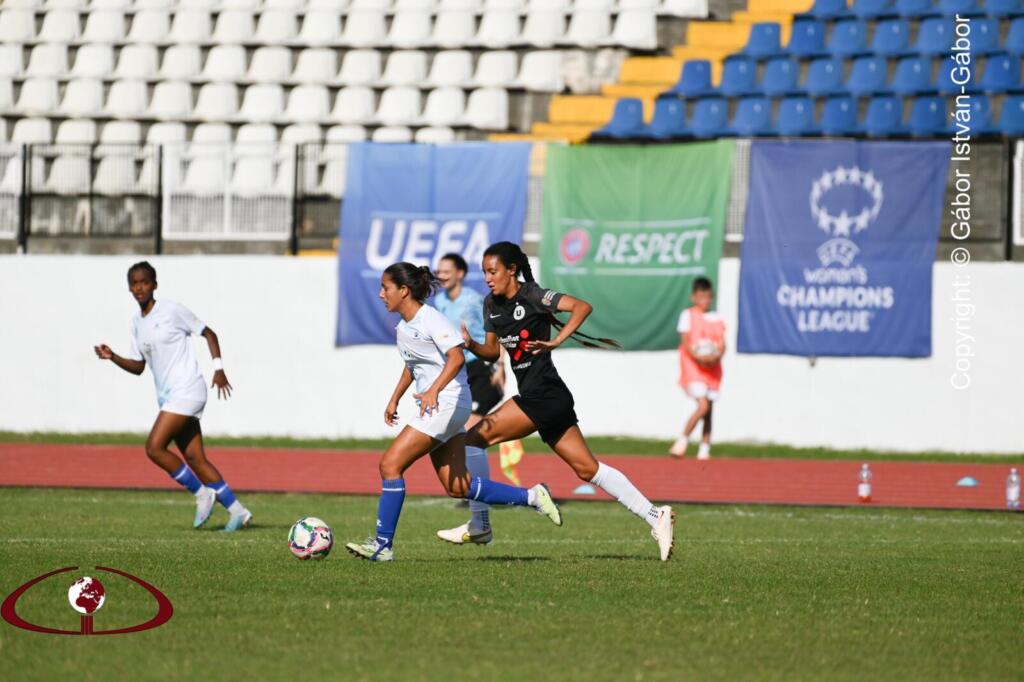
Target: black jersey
518,320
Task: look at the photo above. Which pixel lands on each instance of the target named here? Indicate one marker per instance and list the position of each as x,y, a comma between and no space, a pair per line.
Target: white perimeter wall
275,318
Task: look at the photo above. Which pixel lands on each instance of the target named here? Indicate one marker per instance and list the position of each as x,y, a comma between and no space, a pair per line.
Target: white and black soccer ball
706,348
310,538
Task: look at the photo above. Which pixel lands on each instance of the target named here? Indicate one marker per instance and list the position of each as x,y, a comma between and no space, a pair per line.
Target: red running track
757,481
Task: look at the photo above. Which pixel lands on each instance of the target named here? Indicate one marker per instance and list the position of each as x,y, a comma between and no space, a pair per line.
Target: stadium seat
171,100
635,29
121,5
405,67
406,5
217,102
1004,8
115,175
891,38
1014,42
452,67
392,135
487,109
627,120
360,67
984,35
1011,120
82,97
336,158
205,175
171,136
913,76
136,62
839,116
75,131
17,26
150,27
824,78
171,132
294,5
753,117
263,102
434,135
780,77
301,133
980,118
59,26
867,76
38,96
763,42
498,29
495,69
345,134
826,9
927,117
104,27
934,37
224,63
849,39
668,121
270,65
6,98
694,80
315,65
398,106
1001,74
914,8
308,102
807,39
119,136
276,27
127,99
70,171
189,26
91,61
234,26
206,134
964,8
180,62
549,5
540,71
453,29
445,106
10,60
587,28
320,28
543,28
950,70
796,117
47,61
254,174
708,118
32,131
363,29
739,77
412,29
354,104
871,9
883,118
371,6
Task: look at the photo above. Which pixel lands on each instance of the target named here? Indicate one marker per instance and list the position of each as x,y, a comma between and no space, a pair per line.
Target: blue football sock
187,479
492,492
392,496
224,494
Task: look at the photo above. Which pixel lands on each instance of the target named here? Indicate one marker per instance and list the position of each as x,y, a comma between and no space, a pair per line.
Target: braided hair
511,255
420,281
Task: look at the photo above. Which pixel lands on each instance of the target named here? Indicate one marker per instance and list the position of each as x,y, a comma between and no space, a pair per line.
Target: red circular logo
575,246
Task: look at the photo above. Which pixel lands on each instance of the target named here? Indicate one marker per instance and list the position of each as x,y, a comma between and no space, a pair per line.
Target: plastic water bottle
864,487
1013,490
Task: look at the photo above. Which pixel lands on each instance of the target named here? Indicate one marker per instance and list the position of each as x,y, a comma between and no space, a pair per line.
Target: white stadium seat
684,8
495,69
75,131
487,109
251,5
17,26
121,132
636,29
360,67
91,61
211,134
234,26
127,99
119,5
410,29
104,27
413,5
150,26
549,5
294,5
23,4
216,102
649,5
541,71
276,27
254,174
308,103
115,175
137,62
405,67
82,97
69,173
263,102
471,5
32,131
38,96
454,28
498,28
59,26
206,175
398,106
543,28
169,132
345,134
607,5
441,135
270,65
301,133
444,107
320,28
190,26
354,104
6,97
369,5
171,136
225,63
47,61
588,28
504,5
450,67
392,134
363,29
203,5
181,62
171,100
315,65
10,60
251,135
331,5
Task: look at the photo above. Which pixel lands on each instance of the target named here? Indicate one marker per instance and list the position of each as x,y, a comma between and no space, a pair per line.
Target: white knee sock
477,465
615,483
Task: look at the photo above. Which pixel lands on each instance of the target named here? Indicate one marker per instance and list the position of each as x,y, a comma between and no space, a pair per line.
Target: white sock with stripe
615,483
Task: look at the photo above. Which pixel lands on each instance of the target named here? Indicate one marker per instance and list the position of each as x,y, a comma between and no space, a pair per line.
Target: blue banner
838,247
415,203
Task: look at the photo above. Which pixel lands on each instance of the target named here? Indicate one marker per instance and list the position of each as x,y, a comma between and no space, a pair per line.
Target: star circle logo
843,223
575,246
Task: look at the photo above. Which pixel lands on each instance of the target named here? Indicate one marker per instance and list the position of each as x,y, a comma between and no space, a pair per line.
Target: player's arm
454,361
489,350
136,367
391,411
578,310
220,380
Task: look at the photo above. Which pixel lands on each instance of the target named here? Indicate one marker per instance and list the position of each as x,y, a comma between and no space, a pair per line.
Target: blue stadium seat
871,9
1014,43
981,117
839,116
668,121
627,120
753,117
915,8
695,79
825,9
868,76
764,41
1011,120
807,39
824,77
1004,8
796,117
709,117
780,77
884,117
934,37
984,35
913,76
949,73
891,37
849,38
739,77
1001,74
927,117
961,7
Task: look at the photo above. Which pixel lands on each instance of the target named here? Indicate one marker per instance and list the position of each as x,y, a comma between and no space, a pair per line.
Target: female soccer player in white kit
160,339
432,351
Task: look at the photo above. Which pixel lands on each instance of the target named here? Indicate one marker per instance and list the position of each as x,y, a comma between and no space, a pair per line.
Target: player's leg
575,452
678,448
165,429
705,442
508,422
190,442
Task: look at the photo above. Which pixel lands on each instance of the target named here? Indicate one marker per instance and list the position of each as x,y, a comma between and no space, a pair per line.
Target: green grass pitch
772,593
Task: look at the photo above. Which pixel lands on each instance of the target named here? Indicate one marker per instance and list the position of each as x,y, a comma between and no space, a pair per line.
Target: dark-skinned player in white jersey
519,315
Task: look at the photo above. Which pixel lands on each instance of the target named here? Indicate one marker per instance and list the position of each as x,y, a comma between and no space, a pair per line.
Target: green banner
629,228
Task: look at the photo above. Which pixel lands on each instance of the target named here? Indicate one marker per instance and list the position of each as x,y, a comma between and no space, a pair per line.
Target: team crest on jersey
549,295
519,313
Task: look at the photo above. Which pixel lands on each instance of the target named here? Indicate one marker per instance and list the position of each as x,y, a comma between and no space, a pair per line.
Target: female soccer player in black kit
519,315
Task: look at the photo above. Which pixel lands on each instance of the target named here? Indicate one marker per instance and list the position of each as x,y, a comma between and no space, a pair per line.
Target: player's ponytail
510,254
420,281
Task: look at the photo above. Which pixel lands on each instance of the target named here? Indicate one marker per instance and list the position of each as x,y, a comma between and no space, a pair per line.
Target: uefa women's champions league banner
415,203
838,247
629,228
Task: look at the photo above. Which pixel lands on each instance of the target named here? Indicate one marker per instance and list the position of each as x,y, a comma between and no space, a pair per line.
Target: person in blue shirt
464,305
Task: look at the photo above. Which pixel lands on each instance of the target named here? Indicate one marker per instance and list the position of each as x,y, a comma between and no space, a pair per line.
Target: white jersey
423,342
161,338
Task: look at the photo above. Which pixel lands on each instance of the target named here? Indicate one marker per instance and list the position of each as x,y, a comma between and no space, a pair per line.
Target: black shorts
485,394
550,407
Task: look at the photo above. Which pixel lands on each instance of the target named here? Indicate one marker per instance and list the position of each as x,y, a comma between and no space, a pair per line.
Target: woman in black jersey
519,315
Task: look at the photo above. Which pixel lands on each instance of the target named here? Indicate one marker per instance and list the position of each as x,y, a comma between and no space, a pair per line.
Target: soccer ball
706,348
310,538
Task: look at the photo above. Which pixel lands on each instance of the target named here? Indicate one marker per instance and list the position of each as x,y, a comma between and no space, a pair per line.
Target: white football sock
615,483
705,450
477,465
236,508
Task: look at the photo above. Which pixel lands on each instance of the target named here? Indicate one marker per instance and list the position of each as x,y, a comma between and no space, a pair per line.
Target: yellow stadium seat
644,92
567,132
581,109
722,35
650,71
788,6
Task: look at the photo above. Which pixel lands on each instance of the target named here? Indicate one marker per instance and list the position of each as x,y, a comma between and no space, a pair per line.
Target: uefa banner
838,247
629,228
415,203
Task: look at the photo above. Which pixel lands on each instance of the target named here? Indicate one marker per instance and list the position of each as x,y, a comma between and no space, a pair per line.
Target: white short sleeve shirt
684,320
161,338
422,343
